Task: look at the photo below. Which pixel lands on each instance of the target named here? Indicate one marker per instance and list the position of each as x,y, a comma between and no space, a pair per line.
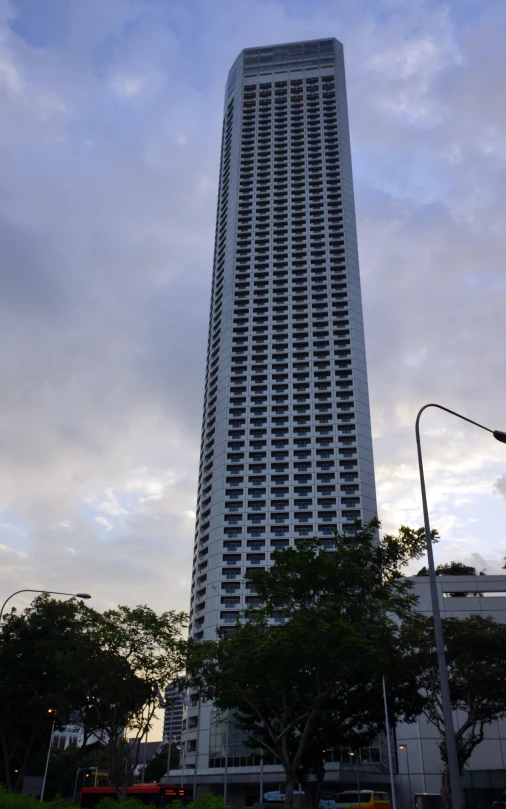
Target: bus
365,799
159,795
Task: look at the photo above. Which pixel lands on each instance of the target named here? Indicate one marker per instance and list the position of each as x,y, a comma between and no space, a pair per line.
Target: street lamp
50,711
405,747
451,745
358,776
50,592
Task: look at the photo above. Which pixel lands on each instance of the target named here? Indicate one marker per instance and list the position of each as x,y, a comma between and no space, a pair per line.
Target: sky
109,154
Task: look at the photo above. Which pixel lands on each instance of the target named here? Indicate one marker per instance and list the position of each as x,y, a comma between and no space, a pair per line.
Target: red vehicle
159,795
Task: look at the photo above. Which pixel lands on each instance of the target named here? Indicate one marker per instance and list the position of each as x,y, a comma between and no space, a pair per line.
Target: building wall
421,739
286,440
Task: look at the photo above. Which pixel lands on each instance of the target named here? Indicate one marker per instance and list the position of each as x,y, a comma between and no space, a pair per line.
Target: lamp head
87,595
402,747
500,436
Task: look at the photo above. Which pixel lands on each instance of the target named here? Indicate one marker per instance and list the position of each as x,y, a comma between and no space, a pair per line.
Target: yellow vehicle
365,799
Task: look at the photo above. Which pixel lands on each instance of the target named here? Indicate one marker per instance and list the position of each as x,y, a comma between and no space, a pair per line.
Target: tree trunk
112,752
320,778
289,787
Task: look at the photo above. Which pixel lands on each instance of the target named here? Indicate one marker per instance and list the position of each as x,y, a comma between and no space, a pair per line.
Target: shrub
112,803
208,801
9,800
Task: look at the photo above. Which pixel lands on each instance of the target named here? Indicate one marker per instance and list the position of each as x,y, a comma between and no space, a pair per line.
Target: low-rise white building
418,760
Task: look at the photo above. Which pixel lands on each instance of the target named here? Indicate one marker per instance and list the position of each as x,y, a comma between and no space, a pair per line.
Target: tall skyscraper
286,439
173,716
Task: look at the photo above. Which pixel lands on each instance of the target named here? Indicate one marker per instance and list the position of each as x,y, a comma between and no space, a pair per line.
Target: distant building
70,734
173,721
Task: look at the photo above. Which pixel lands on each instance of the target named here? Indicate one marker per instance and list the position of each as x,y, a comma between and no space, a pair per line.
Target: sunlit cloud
109,160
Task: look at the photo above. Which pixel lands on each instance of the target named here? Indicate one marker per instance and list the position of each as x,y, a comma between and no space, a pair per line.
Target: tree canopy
102,671
451,569
156,767
315,650
138,654
476,660
42,651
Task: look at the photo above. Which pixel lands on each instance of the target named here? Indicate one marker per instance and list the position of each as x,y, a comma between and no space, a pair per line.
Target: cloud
500,486
109,158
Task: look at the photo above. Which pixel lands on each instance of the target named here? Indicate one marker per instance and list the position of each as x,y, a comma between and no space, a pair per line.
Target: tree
326,630
476,660
104,672
64,764
450,569
41,656
156,767
454,569
140,654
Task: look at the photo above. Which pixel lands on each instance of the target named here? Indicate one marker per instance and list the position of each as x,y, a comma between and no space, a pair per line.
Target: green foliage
100,671
450,569
128,803
207,801
140,653
63,766
11,800
305,669
157,766
60,802
42,653
476,661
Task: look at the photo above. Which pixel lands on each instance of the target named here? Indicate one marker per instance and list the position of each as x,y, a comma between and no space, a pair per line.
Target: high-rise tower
286,439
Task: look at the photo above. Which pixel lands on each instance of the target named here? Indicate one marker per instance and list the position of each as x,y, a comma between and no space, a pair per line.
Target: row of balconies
299,294
317,144
297,105
314,128
276,303
296,127
295,124
266,180
281,283
303,140
295,94
263,206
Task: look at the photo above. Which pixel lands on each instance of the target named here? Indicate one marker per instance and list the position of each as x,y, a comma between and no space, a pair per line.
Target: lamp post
50,592
389,746
358,776
50,710
405,747
225,780
451,745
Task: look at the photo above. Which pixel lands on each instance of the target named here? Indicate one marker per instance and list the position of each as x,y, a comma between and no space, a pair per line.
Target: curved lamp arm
51,592
499,435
